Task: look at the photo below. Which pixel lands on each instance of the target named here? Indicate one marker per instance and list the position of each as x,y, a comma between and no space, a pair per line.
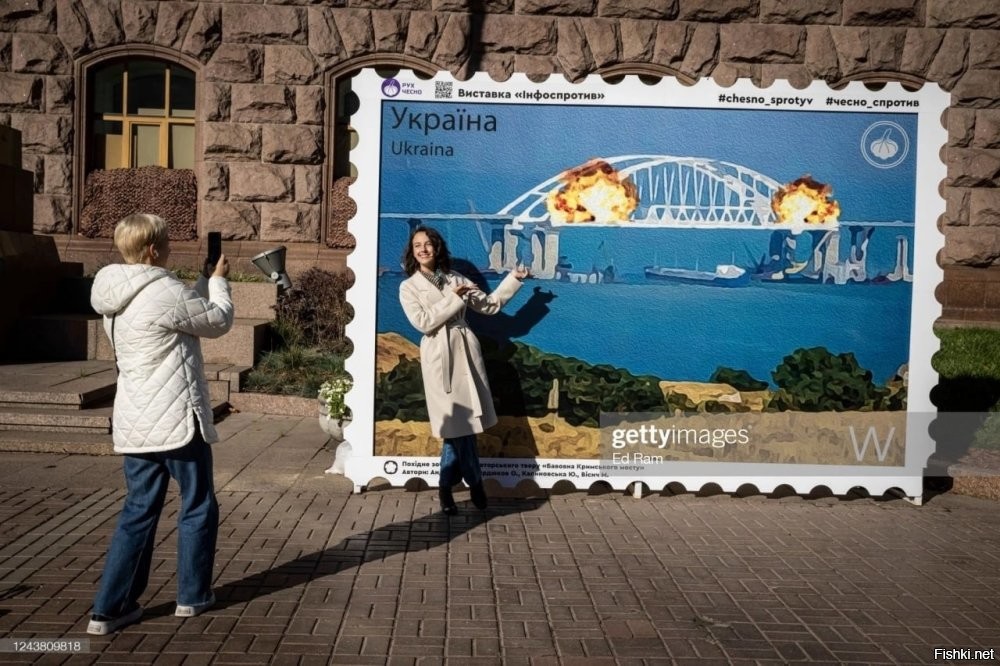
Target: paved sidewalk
309,574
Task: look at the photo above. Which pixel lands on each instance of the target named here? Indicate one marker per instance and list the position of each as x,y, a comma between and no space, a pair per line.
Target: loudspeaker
272,264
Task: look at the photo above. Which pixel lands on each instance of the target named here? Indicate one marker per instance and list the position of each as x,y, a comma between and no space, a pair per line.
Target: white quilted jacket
161,375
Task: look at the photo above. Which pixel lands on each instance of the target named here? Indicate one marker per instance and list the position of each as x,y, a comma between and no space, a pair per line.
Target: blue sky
534,142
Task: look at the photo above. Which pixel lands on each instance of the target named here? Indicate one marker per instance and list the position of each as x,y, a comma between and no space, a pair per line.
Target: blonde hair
137,232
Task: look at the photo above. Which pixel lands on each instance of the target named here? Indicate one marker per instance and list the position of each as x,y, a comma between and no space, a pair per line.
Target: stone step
88,443
234,374
68,385
57,337
56,442
72,295
38,386
70,330
224,379
95,420
243,345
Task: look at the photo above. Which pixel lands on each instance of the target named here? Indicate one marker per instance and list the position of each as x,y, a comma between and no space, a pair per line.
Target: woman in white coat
162,417
459,402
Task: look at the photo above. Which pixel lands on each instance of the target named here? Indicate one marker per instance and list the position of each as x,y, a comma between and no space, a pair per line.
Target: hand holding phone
214,247
214,253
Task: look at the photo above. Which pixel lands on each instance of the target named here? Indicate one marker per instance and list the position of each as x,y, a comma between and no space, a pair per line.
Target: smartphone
214,247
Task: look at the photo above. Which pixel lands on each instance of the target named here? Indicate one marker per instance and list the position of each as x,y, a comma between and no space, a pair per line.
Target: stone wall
263,94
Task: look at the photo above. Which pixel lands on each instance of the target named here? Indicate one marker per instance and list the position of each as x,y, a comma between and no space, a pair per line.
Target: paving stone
307,573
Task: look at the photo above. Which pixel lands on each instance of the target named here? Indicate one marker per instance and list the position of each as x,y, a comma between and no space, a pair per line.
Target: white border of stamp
363,466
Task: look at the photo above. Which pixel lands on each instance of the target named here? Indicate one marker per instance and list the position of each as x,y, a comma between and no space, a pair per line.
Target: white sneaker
101,626
194,611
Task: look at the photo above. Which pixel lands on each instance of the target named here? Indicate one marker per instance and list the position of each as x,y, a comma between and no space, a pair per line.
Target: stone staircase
63,403
65,407
61,407
72,331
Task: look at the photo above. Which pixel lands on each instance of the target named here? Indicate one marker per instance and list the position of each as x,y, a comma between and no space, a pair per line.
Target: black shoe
448,506
478,496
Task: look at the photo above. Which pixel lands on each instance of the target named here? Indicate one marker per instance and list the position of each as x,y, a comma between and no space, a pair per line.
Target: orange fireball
593,192
805,201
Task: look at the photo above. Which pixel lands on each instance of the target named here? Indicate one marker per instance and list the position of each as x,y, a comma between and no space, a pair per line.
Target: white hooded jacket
157,321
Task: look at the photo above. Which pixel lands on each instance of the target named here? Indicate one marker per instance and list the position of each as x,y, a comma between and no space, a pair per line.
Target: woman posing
459,402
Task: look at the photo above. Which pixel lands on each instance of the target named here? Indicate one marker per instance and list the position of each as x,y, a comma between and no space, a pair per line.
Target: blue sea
684,332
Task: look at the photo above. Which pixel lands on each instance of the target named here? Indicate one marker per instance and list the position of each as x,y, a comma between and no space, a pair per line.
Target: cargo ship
724,275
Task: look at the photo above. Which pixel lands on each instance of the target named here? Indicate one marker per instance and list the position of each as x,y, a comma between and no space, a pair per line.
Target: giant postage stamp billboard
730,285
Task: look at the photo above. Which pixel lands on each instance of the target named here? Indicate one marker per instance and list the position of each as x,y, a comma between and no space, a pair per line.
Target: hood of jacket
116,285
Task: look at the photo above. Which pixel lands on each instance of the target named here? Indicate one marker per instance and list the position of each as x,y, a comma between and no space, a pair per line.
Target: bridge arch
673,190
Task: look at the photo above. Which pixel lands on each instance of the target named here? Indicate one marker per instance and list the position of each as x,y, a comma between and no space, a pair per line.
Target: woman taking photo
459,402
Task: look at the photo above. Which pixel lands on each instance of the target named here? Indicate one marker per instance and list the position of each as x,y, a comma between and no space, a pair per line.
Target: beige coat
458,395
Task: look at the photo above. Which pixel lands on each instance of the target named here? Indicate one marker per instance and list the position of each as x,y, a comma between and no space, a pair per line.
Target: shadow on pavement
964,405
384,541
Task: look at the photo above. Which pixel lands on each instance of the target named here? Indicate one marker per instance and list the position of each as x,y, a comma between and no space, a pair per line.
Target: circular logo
390,467
885,144
390,87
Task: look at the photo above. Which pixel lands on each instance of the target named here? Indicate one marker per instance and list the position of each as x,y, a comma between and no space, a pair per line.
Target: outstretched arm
490,304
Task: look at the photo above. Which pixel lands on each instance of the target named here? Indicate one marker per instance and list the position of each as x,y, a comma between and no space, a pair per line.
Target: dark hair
442,259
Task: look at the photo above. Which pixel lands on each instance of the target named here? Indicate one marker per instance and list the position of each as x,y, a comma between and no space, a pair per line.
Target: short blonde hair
137,232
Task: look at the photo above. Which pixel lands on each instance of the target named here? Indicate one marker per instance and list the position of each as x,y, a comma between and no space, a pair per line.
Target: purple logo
390,87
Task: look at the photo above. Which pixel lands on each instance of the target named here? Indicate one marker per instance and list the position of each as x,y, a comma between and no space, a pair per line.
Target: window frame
83,118
331,80
128,120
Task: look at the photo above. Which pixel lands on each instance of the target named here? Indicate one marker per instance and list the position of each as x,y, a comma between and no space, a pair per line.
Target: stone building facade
269,139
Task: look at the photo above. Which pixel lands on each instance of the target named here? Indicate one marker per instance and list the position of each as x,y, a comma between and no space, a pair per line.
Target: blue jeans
460,460
126,568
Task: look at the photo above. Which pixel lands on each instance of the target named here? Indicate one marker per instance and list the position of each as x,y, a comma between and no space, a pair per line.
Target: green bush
315,312
521,378
294,370
585,390
191,275
741,380
815,380
399,393
969,367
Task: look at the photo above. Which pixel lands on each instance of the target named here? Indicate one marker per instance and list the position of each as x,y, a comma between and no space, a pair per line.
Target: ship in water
724,275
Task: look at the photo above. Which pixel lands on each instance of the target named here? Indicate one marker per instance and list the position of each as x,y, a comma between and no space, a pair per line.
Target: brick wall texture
262,101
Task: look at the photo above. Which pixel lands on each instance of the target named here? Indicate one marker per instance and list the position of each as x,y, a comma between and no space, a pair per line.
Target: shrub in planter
316,311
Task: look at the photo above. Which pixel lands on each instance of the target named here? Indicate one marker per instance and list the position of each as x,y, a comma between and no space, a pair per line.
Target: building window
137,146
343,103
142,113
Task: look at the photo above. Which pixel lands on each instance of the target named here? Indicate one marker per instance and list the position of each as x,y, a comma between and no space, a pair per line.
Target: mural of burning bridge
666,191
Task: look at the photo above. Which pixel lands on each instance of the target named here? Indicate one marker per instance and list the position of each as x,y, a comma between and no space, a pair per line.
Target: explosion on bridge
805,201
593,192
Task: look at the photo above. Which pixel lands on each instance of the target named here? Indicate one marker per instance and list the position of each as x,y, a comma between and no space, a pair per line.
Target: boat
724,275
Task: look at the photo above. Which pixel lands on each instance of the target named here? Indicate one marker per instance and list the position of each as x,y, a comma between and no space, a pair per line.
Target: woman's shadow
377,544
496,335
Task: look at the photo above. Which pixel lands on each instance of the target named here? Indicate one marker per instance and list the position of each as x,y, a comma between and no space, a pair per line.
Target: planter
335,429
